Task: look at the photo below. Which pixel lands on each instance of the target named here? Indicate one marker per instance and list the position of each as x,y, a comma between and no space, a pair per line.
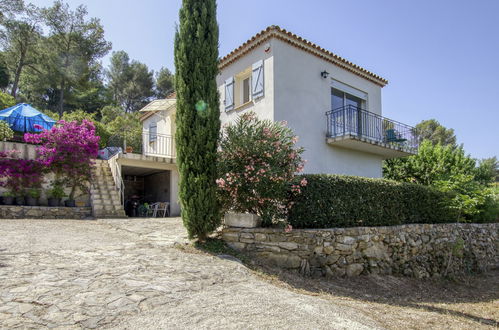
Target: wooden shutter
257,86
229,94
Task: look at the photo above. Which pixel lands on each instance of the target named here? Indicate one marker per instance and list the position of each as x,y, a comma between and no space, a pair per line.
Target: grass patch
216,246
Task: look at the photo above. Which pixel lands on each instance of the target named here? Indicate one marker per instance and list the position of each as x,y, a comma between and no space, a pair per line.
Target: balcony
354,128
158,145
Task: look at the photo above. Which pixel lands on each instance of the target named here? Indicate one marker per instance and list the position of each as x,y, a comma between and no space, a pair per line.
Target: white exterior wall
263,106
302,97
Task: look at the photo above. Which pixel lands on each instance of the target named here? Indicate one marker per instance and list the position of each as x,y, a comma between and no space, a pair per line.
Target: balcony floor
354,142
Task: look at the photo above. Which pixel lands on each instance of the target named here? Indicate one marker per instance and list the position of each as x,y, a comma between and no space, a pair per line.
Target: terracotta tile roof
275,31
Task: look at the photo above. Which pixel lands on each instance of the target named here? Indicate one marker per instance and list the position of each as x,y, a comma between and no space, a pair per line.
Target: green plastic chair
391,136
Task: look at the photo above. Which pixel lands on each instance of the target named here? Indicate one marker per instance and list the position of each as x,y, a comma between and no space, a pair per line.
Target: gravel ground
127,274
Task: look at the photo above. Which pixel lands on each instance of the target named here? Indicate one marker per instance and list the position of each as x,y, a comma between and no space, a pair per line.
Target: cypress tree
198,117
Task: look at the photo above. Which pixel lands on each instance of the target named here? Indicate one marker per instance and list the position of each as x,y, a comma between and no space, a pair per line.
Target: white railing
158,145
117,177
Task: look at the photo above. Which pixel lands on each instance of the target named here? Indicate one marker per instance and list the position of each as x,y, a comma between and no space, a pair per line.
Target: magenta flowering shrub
18,175
68,149
257,163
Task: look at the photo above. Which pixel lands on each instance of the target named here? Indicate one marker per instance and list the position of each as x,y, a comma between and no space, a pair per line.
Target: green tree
4,73
109,113
164,83
449,169
432,130
431,164
198,115
73,48
487,170
20,37
130,82
126,128
6,101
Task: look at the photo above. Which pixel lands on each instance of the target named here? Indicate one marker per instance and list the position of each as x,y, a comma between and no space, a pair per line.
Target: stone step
106,208
106,202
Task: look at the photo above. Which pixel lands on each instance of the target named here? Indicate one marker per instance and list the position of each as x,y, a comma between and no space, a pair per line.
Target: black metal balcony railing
353,121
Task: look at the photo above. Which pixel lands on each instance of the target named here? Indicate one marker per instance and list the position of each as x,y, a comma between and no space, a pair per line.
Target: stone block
288,245
328,249
260,237
242,220
230,237
354,270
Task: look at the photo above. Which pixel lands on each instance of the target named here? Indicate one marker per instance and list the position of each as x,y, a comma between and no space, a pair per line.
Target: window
153,132
246,90
341,99
244,87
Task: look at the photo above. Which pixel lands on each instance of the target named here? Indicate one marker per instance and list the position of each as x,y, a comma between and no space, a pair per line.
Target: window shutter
229,94
257,86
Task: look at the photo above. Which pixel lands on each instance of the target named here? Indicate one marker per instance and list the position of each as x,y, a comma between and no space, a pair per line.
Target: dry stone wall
44,212
418,250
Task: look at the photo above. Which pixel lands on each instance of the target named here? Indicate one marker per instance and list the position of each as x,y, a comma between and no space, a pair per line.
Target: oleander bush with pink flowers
257,162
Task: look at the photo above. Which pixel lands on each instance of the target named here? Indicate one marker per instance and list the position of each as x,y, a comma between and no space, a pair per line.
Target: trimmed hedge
346,201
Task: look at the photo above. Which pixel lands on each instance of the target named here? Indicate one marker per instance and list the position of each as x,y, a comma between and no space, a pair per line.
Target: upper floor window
245,86
343,95
153,132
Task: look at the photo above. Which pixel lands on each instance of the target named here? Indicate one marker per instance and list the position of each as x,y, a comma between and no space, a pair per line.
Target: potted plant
8,198
20,200
32,196
55,194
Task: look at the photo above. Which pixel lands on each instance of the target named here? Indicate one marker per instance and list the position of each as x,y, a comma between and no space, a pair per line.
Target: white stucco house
333,105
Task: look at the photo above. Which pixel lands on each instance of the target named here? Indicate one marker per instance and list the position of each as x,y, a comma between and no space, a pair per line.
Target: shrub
257,163
6,133
345,201
68,149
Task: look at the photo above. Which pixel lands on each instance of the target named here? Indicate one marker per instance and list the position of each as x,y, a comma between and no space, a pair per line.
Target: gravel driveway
126,274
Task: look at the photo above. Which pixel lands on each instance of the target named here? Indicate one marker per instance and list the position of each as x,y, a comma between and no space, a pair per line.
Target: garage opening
144,189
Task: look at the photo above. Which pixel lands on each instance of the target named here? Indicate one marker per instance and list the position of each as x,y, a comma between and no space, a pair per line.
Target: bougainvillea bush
68,149
19,175
257,163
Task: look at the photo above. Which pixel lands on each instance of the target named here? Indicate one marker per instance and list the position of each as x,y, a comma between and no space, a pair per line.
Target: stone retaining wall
44,212
419,250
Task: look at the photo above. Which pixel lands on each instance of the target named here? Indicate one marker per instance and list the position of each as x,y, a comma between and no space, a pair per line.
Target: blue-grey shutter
257,86
229,94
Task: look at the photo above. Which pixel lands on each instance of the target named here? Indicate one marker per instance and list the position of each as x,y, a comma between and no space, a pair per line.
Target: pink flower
303,182
288,228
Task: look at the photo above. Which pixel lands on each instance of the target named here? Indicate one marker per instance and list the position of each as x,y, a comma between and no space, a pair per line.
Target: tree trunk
60,107
17,76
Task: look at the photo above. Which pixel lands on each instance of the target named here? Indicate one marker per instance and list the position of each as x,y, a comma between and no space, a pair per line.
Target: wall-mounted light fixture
324,74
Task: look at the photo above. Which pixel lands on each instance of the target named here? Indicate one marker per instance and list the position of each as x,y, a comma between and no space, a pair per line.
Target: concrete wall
157,187
302,98
418,250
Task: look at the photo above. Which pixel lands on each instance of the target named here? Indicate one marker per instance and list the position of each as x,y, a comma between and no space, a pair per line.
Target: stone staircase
104,196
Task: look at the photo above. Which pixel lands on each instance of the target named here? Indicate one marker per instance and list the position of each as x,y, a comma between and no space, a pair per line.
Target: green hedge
345,201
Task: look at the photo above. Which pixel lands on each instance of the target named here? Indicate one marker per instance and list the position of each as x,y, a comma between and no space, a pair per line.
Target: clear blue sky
441,57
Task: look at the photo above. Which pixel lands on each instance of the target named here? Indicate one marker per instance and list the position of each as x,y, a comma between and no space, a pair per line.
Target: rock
230,237
332,258
328,249
376,251
344,247
348,240
354,270
288,245
260,237
318,250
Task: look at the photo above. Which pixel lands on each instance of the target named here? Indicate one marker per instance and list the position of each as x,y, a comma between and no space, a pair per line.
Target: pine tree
198,117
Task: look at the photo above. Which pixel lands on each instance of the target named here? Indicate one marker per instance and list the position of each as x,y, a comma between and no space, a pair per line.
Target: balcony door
348,117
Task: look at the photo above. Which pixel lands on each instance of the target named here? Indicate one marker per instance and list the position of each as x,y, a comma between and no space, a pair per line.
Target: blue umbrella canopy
24,118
